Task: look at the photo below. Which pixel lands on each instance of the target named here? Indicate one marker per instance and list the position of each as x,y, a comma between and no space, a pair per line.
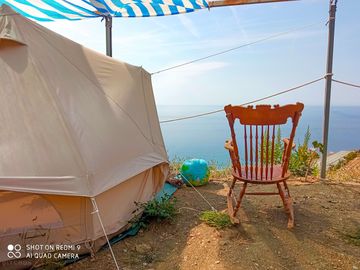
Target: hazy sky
242,75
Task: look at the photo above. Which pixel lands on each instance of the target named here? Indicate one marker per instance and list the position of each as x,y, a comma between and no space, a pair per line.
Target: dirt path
325,214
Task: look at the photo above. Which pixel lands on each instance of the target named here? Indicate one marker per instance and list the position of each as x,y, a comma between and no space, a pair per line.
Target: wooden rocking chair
259,152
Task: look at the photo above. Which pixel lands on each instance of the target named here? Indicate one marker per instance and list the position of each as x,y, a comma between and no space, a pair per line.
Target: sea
204,137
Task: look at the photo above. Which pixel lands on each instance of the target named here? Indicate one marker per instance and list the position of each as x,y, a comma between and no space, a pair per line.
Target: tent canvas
76,125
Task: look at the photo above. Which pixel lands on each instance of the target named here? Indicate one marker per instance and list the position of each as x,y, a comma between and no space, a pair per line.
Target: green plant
351,155
156,209
216,219
303,159
278,147
354,237
318,146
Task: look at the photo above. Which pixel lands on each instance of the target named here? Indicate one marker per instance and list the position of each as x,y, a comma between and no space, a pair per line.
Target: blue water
204,137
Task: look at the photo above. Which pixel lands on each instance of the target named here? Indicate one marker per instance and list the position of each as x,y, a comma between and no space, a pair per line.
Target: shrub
344,161
216,219
303,159
278,147
354,237
176,164
158,210
217,171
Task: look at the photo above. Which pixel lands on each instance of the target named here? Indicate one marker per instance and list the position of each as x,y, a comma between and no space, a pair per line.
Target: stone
143,248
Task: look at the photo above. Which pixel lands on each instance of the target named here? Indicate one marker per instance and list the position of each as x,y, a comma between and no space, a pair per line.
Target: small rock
355,267
144,264
217,262
143,248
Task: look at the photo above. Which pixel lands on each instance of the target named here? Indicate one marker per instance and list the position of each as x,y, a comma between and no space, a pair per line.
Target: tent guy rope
247,103
96,211
202,196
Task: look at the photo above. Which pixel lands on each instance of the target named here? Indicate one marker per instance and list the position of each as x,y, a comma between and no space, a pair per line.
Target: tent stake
328,77
108,28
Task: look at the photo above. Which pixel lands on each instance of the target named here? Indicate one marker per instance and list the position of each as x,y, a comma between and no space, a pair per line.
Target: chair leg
241,195
287,201
230,203
289,206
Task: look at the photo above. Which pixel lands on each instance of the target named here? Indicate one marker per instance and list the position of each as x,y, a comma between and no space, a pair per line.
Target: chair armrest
229,145
286,143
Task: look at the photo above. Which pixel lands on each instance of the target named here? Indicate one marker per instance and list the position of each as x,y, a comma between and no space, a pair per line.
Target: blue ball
196,171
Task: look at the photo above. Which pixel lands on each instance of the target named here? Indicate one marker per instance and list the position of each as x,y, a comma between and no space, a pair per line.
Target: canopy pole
108,28
328,77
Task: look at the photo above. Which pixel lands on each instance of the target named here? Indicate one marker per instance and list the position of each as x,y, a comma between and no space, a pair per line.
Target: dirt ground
326,216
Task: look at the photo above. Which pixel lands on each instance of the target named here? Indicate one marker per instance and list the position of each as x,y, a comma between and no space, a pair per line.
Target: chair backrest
259,137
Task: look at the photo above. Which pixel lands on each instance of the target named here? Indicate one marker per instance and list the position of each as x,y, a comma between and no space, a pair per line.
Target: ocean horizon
204,137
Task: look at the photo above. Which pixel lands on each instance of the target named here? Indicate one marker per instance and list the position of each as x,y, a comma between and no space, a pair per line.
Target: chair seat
276,176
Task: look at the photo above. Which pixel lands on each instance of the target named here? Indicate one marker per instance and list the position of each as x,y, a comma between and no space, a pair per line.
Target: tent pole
108,28
328,77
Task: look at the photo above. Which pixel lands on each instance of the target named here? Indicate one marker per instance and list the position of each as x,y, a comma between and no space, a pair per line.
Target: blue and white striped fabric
48,10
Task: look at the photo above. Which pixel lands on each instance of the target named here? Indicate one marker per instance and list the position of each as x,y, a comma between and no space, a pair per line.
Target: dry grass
348,171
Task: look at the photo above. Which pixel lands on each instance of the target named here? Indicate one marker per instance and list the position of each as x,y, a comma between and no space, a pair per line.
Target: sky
241,75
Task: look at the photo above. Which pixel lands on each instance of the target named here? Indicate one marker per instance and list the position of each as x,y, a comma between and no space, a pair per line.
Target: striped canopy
48,10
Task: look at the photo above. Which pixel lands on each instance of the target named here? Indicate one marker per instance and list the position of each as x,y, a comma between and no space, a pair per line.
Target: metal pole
328,77
108,28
